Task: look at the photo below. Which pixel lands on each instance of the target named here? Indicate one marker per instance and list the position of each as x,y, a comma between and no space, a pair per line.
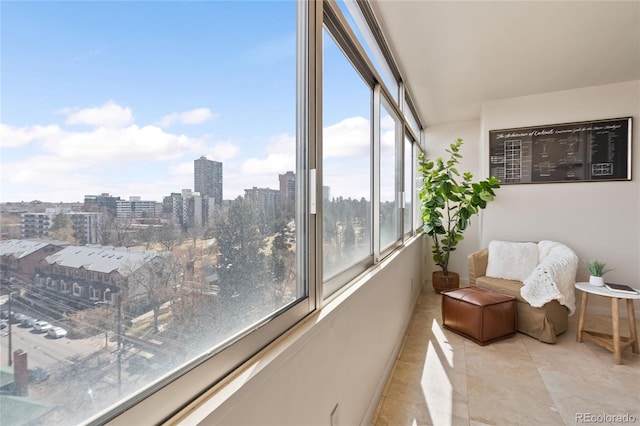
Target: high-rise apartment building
207,175
288,192
267,202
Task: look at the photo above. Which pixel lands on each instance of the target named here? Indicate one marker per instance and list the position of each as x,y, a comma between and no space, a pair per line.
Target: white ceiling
456,54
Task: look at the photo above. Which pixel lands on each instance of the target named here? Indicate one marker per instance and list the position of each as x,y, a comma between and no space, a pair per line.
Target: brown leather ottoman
481,315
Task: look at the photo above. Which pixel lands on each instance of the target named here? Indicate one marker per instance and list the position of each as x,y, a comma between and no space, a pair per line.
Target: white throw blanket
554,277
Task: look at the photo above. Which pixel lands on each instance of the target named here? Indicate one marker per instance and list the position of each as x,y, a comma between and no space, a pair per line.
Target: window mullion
375,171
309,134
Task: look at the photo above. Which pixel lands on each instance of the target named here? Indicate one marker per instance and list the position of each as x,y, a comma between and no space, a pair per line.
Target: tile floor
441,378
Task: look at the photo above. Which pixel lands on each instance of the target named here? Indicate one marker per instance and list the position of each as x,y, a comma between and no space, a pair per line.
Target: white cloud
194,116
223,151
107,115
18,136
388,131
147,143
272,164
348,138
280,157
65,164
45,178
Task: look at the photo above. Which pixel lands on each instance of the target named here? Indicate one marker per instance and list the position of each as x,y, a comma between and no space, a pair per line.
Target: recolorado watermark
605,418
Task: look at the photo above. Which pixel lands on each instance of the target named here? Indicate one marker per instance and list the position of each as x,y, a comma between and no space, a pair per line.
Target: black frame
585,151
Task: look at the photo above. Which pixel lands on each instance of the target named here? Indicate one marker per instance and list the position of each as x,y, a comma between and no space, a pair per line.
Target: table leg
583,308
616,330
632,325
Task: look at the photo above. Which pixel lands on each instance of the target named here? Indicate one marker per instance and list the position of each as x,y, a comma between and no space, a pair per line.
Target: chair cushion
509,287
511,260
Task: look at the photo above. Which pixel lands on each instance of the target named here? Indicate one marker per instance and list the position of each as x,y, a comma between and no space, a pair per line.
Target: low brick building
20,258
79,276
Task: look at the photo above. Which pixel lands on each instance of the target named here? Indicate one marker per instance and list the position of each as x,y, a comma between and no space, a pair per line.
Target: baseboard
388,370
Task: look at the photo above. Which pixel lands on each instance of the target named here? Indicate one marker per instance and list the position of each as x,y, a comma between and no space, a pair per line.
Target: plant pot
596,281
442,282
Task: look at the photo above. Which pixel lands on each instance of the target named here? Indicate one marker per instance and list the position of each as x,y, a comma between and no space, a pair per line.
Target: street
41,350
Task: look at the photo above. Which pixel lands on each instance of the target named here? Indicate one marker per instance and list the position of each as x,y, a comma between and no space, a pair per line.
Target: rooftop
102,258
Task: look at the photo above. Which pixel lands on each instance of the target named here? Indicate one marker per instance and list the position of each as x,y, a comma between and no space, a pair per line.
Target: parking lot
42,350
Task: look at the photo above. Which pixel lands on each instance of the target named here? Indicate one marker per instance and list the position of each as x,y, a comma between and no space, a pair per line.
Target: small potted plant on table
597,269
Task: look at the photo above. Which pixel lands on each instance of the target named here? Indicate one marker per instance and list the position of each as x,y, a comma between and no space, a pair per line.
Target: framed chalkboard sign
571,152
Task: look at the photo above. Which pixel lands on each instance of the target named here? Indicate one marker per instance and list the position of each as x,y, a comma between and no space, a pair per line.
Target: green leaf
465,213
448,201
486,196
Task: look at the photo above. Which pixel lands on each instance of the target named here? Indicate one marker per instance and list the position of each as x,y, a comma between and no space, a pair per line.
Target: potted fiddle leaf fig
448,200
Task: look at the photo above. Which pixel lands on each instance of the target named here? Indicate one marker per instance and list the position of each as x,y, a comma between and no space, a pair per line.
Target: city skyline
97,98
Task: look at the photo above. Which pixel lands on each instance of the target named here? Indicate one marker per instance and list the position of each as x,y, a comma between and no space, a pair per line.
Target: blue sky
121,97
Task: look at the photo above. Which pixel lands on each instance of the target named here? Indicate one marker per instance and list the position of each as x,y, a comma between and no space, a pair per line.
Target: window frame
181,387
173,391
408,185
334,283
398,172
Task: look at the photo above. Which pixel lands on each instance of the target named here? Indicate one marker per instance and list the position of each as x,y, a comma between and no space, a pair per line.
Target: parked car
17,318
28,322
38,374
3,324
56,332
41,327
6,314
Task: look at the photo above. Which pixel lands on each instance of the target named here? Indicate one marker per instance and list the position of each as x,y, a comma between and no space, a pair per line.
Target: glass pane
141,134
346,161
417,185
408,185
358,24
390,179
411,120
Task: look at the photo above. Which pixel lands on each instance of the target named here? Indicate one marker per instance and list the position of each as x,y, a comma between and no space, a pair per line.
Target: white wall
598,220
340,355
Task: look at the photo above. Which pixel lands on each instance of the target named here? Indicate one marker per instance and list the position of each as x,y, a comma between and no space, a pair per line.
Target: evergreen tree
242,273
62,228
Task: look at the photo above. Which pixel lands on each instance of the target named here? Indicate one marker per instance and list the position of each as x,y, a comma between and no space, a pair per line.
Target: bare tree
90,322
158,281
193,311
169,235
113,231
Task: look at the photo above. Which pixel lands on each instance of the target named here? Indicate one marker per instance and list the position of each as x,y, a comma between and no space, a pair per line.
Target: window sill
279,350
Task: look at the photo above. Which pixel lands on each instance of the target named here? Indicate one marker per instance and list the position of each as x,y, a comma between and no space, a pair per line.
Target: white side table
614,343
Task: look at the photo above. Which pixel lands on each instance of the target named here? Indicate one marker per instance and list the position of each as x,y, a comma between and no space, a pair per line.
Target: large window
189,110
208,120
346,163
390,177
409,226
